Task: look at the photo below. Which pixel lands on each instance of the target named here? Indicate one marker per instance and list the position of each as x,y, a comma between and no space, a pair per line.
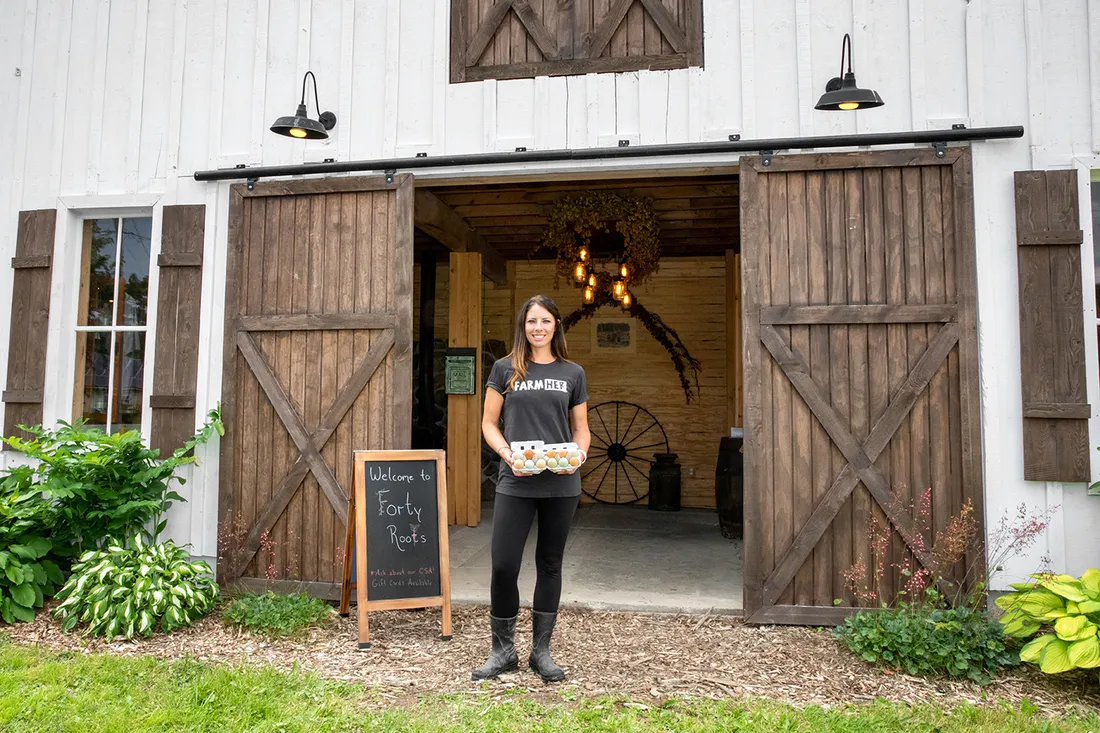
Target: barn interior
675,548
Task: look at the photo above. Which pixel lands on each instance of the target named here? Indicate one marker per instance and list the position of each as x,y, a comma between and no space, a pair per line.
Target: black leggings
512,518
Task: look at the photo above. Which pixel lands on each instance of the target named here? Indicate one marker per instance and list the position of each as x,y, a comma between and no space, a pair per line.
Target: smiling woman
543,398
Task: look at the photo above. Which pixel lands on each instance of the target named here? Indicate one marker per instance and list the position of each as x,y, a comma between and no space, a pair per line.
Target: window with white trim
1094,189
111,323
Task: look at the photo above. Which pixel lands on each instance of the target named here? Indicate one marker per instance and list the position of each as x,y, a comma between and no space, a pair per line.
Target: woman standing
542,396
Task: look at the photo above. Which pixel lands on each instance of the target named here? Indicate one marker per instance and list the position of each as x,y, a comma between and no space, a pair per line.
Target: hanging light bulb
592,280
624,271
580,272
617,289
627,301
583,254
589,295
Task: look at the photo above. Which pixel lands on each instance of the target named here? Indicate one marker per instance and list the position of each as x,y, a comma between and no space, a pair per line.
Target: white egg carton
536,452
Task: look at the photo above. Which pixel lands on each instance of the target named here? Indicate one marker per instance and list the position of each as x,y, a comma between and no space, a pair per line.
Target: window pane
129,381
134,271
97,372
100,234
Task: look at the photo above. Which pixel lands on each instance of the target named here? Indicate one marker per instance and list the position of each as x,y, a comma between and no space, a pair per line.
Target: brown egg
574,461
528,454
551,453
518,463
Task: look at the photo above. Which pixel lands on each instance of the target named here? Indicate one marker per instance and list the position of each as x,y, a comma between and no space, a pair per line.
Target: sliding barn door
318,364
861,370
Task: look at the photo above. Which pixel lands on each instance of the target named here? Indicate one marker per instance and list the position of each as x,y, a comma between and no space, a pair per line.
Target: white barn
113,106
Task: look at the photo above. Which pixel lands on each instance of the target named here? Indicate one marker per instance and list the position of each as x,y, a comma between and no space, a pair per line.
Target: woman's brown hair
521,347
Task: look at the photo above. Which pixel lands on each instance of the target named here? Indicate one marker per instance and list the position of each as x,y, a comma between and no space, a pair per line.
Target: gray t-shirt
538,409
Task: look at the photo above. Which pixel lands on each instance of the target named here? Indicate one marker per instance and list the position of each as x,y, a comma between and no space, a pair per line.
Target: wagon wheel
624,438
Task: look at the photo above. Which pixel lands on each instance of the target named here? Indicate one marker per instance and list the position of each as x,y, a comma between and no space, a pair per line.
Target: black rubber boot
502,653
543,628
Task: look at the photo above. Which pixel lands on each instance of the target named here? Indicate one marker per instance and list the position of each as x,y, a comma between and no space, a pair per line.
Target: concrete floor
618,558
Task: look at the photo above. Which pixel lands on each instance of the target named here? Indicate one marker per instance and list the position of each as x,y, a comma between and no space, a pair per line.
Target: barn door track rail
766,148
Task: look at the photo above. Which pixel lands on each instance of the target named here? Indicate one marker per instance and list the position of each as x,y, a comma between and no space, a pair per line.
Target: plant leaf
1074,628
1090,579
23,595
1054,659
1031,651
1085,653
1019,625
1066,586
1041,603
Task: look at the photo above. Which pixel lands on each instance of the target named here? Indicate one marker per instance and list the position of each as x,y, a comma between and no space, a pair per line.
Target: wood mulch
645,657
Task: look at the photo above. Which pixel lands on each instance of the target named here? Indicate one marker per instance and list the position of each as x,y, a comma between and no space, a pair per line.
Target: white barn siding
117,102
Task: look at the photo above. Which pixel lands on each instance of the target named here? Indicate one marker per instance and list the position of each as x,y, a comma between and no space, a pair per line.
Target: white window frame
1085,166
73,211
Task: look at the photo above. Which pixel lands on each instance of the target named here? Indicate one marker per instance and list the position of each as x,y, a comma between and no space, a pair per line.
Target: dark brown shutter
1052,329
30,315
175,366
516,39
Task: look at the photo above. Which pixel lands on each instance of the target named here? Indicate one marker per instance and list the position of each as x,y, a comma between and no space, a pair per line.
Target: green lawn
69,692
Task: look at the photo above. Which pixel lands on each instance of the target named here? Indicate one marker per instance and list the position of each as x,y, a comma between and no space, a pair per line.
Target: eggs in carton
535,456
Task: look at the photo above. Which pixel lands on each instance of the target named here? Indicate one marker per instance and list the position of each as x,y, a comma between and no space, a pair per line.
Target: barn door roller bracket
766,157
252,183
389,175
940,147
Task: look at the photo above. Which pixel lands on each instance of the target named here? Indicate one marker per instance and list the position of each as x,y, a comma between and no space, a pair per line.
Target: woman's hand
507,456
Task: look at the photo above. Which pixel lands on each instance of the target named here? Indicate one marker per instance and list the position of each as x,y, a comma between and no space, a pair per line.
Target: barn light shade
580,272
842,92
299,125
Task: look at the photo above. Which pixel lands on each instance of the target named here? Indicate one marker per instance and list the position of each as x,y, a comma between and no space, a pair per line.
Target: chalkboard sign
396,553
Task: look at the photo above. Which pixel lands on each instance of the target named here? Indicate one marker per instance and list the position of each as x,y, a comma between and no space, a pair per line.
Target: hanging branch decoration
570,230
664,334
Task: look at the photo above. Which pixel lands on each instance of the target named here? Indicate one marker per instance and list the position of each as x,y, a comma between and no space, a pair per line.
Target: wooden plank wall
689,294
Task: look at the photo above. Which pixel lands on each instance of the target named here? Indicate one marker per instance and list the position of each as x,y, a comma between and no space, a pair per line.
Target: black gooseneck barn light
299,125
842,93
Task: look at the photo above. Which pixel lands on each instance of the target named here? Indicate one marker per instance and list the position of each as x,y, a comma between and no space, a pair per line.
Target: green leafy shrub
1067,608
102,485
27,576
277,614
127,591
958,642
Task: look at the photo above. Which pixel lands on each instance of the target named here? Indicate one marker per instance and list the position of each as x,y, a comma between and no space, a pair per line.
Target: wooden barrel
729,488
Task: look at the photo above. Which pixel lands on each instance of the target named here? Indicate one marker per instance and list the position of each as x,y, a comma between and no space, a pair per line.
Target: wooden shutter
175,365
30,314
1052,328
513,39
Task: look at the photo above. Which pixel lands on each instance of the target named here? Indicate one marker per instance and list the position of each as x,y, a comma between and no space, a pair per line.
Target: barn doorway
622,553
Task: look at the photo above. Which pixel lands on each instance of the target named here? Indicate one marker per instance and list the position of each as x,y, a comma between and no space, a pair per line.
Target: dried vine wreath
571,226
576,219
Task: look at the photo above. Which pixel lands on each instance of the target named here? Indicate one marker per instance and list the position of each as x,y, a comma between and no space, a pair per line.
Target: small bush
27,576
276,614
923,640
1067,608
128,591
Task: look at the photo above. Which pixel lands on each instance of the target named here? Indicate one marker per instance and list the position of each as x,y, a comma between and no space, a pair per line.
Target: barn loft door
318,352
860,369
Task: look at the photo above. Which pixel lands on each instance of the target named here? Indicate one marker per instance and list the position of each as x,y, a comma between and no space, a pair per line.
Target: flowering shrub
935,622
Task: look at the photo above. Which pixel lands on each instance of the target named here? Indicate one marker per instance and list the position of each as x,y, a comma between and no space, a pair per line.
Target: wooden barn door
318,364
861,370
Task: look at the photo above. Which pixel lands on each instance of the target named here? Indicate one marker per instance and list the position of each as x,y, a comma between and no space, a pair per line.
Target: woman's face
539,326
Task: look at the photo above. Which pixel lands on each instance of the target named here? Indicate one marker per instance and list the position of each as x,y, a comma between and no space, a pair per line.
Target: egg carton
540,456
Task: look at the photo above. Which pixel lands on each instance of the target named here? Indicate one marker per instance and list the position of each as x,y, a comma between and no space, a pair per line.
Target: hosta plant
27,576
133,590
1067,608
